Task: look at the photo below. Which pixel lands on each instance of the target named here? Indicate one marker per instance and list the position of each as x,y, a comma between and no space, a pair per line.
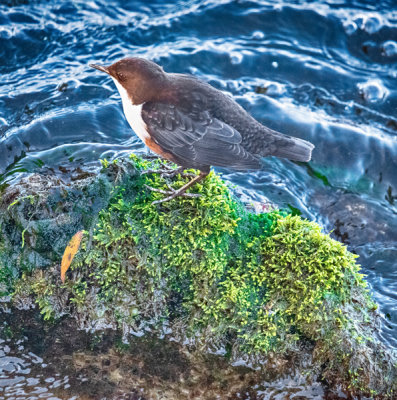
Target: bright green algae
254,284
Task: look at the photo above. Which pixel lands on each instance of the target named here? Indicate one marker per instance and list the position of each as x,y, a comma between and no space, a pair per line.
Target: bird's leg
172,193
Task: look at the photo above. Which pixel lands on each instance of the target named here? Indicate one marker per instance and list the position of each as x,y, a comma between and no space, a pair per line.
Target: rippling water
325,71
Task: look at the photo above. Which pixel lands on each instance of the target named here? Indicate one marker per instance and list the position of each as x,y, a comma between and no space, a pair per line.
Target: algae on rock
257,286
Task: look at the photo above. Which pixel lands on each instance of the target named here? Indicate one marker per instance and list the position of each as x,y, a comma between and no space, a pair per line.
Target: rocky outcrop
270,289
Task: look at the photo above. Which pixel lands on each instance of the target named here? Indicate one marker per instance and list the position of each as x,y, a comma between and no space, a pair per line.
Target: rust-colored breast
158,150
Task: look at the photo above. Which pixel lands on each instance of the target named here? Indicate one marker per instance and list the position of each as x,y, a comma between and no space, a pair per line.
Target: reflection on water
61,362
24,375
323,71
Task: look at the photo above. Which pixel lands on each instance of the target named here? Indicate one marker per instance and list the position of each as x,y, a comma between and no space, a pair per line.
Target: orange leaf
71,249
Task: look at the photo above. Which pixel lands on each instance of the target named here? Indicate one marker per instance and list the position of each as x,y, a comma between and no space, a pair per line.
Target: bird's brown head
141,79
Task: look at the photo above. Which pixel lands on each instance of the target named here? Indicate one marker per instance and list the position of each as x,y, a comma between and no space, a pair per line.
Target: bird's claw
172,193
168,172
164,168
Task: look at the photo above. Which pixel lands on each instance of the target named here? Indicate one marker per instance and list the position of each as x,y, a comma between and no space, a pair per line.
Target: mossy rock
257,286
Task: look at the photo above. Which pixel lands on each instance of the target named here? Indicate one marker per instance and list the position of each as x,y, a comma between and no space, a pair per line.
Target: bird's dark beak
100,67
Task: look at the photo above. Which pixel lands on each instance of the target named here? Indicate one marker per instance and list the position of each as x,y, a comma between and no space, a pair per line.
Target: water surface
325,71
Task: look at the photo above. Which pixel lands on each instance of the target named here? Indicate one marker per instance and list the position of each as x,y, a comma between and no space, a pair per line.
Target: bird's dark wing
195,138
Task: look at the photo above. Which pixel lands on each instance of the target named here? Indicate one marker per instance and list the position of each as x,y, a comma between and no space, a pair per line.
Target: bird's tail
294,149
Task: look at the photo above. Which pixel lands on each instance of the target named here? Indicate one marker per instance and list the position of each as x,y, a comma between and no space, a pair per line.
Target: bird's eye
120,76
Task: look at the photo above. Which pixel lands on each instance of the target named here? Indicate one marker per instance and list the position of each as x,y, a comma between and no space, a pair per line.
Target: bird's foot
165,171
171,193
181,192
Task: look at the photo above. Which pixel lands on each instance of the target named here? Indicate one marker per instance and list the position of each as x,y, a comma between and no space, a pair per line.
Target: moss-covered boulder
255,286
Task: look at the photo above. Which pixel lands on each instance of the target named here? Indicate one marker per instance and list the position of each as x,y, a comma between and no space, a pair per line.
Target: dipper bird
191,123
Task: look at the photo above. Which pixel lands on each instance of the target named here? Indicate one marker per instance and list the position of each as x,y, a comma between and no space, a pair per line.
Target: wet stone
180,363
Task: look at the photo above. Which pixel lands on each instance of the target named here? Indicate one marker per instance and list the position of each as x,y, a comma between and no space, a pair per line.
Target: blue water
325,71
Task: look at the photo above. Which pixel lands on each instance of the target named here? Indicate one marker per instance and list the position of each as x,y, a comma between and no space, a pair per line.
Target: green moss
41,289
261,282
254,284
7,274
310,273
6,280
183,259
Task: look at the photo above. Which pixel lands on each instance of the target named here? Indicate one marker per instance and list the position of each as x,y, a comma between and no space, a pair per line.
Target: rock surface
268,289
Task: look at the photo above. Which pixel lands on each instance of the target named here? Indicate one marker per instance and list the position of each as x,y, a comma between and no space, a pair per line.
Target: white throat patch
133,113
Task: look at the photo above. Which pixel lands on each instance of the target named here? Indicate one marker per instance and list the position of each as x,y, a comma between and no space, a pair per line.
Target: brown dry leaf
70,251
